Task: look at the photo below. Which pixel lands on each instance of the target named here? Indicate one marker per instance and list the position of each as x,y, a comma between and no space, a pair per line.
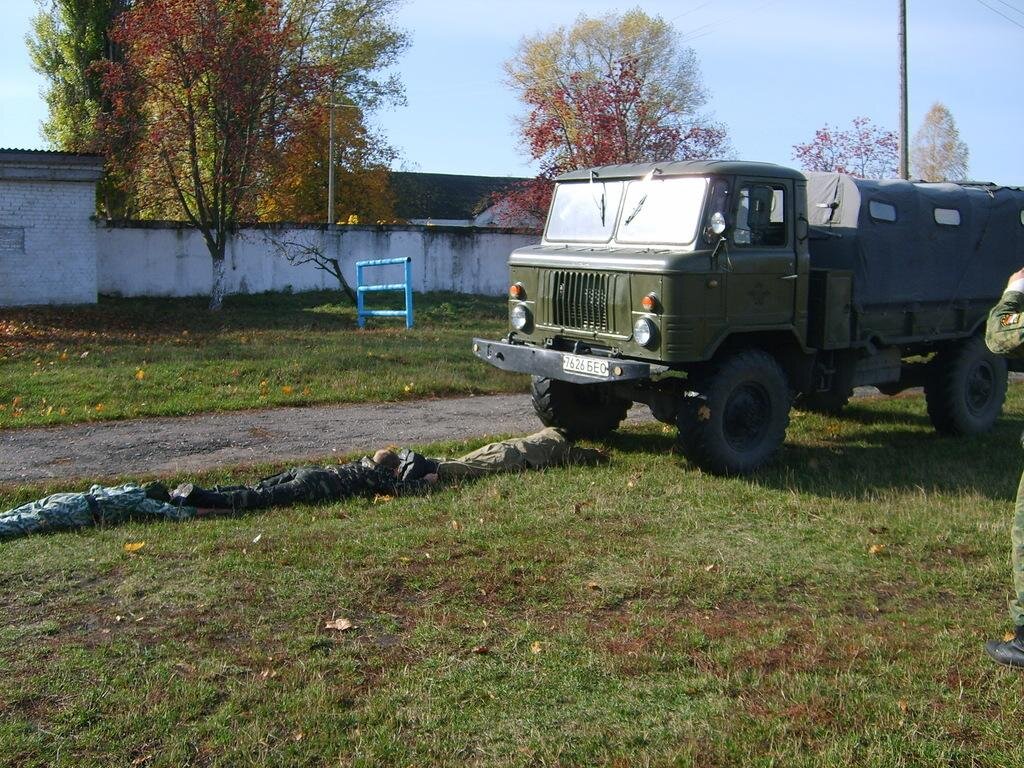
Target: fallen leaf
1008,637
16,402
902,704
710,568
340,625
307,391
257,539
456,525
298,736
131,547
482,650
876,549
287,389
593,585
381,498
703,413
407,387
140,375
536,647
100,407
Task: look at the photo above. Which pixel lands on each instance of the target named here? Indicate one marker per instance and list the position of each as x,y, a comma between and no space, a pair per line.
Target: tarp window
947,216
882,211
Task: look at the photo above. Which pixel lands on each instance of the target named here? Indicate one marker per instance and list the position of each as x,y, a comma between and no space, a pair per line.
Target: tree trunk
217,288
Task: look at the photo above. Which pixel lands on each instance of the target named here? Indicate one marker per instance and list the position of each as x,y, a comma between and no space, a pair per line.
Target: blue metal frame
361,290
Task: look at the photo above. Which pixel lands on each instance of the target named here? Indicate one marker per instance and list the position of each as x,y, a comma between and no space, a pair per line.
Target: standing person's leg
1011,652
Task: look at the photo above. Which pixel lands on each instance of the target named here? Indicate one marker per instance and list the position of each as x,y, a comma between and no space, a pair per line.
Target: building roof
44,165
445,195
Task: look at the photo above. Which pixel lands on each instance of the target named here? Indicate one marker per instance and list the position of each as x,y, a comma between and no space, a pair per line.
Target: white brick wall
47,242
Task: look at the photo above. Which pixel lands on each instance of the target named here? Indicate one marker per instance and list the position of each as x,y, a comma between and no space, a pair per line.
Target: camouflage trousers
293,486
1016,603
543,449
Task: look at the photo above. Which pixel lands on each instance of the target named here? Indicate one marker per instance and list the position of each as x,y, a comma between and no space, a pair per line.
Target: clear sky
775,69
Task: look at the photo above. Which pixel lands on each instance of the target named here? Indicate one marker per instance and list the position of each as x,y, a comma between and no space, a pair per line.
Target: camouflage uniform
1004,335
542,449
99,506
307,484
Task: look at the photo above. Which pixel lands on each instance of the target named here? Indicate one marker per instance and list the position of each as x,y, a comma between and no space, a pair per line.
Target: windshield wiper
600,203
636,210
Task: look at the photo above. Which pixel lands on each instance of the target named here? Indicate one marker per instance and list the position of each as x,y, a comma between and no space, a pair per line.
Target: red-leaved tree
865,150
206,93
617,88
606,121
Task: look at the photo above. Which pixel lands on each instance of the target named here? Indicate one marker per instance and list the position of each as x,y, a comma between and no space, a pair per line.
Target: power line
996,10
1011,6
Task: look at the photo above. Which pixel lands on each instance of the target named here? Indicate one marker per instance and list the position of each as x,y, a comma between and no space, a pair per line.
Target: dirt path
164,446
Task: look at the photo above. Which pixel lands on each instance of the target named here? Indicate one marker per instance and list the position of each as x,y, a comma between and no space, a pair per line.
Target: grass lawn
829,611
124,358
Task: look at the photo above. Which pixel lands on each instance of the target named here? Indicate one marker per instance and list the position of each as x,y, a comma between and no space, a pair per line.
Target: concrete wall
148,259
47,242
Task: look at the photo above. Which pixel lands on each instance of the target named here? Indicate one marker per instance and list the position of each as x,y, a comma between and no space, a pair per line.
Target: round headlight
644,332
718,222
520,317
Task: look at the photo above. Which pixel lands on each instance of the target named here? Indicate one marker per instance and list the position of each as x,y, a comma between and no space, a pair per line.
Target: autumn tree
362,162
937,153
615,89
206,92
865,150
355,42
67,40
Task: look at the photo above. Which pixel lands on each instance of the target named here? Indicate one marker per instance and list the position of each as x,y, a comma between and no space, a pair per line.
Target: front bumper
549,363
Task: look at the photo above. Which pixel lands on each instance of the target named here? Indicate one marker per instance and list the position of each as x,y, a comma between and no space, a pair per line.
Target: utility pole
330,165
904,131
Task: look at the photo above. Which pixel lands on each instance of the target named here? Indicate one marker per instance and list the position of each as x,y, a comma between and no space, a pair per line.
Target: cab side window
760,216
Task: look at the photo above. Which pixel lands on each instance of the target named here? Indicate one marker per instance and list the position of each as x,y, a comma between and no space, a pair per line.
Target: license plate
585,366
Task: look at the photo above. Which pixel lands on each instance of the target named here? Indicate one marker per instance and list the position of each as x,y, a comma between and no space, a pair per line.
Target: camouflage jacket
1004,333
98,506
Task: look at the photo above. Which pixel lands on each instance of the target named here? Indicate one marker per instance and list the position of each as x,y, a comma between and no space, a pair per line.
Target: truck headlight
645,332
521,318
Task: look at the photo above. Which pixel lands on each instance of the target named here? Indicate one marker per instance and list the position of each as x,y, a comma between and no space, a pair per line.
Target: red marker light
517,291
649,302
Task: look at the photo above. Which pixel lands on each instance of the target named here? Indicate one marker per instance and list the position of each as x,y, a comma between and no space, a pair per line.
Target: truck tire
966,388
582,410
739,418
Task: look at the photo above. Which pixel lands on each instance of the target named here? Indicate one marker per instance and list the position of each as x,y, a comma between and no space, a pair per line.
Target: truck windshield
584,211
662,210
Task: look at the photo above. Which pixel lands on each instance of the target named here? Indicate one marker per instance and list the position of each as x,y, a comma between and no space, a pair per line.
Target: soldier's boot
182,492
1010,652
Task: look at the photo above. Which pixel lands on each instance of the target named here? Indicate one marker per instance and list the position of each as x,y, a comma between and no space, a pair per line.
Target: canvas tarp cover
914,259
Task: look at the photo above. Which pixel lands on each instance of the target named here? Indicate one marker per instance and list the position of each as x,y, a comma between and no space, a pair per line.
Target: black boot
157,491
1010,652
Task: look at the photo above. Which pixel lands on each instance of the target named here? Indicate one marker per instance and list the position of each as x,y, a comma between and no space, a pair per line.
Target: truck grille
579,300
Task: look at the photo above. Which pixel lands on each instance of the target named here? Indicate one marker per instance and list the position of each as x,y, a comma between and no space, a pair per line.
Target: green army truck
719,292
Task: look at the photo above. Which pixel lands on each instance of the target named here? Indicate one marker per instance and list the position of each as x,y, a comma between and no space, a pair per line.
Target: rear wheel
966,388
582,410
738,419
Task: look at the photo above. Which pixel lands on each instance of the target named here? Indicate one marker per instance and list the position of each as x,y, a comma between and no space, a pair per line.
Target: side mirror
801,228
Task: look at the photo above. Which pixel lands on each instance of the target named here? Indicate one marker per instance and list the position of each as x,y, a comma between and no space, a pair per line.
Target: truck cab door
761,273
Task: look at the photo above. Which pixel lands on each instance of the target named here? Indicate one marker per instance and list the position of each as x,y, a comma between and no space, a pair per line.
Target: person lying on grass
390,473
387,473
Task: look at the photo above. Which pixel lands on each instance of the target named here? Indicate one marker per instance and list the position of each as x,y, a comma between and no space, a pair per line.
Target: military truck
720,292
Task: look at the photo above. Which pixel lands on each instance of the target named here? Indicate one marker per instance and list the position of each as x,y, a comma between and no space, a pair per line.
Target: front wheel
966,388
582,410
739,417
